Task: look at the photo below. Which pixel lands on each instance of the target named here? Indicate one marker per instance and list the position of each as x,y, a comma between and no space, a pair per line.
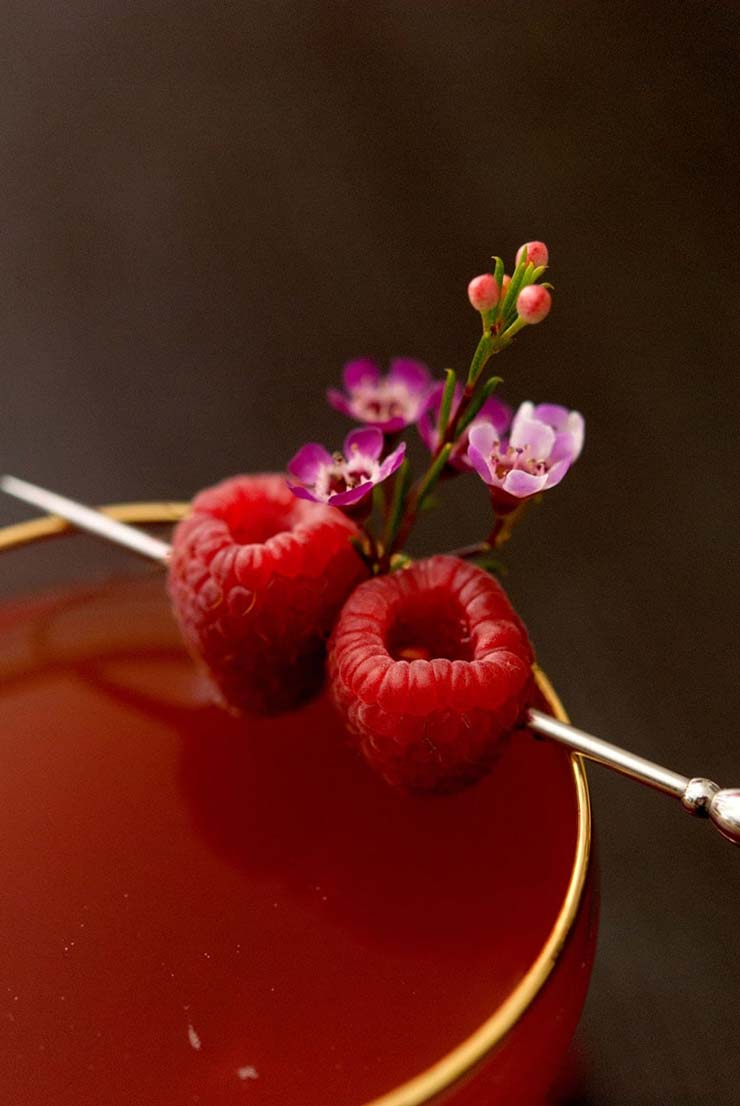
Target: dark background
207,207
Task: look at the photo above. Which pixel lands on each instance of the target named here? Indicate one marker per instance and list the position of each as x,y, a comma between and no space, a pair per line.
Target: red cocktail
203,909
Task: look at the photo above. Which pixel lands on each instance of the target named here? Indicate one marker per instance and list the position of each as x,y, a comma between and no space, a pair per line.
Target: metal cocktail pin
699,796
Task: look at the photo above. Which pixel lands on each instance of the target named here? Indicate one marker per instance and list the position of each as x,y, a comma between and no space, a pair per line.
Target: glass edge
442,1076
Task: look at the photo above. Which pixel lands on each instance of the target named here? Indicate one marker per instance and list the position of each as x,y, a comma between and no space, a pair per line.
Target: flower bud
533,303
483,292
505,282
536,253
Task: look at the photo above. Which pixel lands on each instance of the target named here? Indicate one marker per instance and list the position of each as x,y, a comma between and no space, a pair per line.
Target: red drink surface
198,909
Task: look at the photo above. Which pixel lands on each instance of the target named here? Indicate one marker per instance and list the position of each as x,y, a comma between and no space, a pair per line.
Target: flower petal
525,411
307,461
301,492
553,414
564,449
389,426
483,436
577,427
354,495
537,436
391,463
428,431
522,484
435,395
361,371
414,374
367,440
557,472
481,465
339,401
495,411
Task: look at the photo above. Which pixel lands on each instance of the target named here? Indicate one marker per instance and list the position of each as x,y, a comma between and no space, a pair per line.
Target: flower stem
402,512
504,524
394,516
433,474
468,552
415,500
399,525
445,407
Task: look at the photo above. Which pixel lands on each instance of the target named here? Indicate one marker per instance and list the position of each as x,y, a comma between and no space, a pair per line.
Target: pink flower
493,411
389,402
543,443
343,479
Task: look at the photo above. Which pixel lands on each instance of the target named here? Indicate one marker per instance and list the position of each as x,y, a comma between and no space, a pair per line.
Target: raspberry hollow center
427,626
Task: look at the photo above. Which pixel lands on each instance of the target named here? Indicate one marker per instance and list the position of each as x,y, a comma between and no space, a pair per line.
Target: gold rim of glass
442,1075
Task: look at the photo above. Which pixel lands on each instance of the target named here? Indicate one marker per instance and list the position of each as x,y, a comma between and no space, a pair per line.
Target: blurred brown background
207,207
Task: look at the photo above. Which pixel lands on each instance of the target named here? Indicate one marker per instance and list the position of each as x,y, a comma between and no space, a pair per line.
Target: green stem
467,552
518,324
405,508
395,513
463,420
517,282
504,524
448,394
415,500
433,474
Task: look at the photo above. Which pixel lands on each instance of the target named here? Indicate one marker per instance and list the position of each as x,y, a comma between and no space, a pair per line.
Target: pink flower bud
483,292
505,282
536,253
534,303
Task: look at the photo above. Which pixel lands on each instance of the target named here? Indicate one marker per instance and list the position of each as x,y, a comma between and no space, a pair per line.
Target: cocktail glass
199,909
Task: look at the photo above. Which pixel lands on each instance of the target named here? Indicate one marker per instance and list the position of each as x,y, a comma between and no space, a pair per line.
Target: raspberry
431,669
257,578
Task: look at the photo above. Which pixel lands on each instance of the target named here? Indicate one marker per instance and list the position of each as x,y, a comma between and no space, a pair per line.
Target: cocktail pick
699,796
87,518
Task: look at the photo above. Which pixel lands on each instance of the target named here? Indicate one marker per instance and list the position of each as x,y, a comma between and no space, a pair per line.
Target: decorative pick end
724,810
705,799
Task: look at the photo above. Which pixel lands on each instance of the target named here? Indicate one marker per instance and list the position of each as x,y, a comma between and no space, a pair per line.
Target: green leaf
395,514
498,272
477,402
379,499
448,394
433,474
484,350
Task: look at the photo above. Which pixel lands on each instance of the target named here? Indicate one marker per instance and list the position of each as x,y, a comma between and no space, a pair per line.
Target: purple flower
543,443
343,479
493,411
389,402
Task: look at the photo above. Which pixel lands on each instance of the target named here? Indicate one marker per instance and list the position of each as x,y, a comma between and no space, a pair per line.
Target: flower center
343,476
504,458
383,401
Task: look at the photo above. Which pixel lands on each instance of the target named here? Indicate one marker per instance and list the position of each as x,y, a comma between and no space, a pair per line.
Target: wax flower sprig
430,669
465,426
